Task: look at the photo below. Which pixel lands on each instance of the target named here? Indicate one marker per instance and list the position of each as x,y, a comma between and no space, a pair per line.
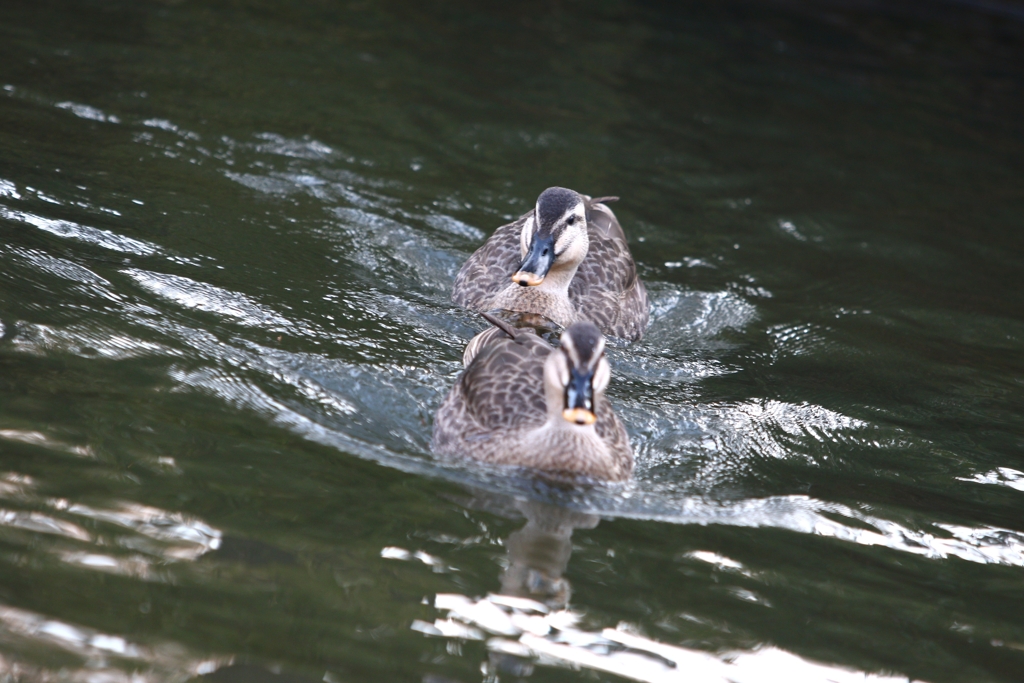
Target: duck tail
500,324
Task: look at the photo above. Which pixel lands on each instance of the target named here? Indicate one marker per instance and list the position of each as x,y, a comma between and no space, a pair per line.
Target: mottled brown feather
606,289
500,398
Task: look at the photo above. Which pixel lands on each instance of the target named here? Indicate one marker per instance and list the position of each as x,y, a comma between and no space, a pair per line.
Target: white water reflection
83,233
1001,476
97,657
719,562
177,536
296,148
9,189
798,339
37,260
682,318
151,536
43,524
164,124
527,629
39,439
135,566
89,341
530,623
758,427
803,514
392,249
204,297
84,111
395,553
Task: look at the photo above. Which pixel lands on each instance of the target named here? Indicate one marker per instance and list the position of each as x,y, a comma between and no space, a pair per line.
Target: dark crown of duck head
583,343
552,204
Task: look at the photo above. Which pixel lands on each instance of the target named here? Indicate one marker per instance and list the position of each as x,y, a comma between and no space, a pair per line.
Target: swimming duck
567,260
523,403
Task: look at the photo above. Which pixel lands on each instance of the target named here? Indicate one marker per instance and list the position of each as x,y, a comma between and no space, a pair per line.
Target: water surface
228,232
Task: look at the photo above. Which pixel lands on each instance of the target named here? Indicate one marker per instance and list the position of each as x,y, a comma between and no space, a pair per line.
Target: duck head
554,237
576,372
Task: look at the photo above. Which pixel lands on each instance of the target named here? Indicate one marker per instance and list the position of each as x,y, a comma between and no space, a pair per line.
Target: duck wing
489,270
501,391
479,343
606,289
503,387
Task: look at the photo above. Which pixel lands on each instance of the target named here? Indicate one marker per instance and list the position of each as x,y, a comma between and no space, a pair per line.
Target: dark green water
228,231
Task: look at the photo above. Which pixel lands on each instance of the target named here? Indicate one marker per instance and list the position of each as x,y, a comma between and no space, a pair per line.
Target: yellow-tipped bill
580,416
526,279
536,262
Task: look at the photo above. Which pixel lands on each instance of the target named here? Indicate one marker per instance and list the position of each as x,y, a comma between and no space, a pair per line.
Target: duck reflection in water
538,556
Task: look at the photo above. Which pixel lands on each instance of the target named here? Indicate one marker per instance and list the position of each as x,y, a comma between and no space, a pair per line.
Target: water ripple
690,319
204,297
82,233
1001,476
525,629
154,536
84,111
86,340
746,431
96,656
687,449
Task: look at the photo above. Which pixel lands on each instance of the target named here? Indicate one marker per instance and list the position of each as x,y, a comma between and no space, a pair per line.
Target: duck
566,260
523,403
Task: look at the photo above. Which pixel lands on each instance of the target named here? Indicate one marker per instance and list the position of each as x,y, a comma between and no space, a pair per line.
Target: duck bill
537,263
579,416
579,398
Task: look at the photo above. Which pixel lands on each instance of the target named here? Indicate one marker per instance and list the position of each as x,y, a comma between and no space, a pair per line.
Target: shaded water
227,236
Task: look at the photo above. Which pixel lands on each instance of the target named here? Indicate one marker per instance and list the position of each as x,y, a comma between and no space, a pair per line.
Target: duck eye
570,220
